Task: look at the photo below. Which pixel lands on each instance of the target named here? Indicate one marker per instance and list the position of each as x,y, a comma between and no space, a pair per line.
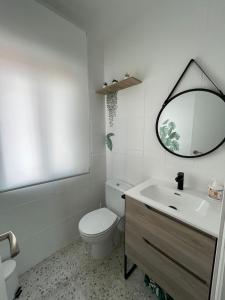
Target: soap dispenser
216,190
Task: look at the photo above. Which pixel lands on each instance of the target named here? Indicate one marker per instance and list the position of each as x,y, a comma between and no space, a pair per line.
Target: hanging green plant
156,289
169,136
111,103
108,140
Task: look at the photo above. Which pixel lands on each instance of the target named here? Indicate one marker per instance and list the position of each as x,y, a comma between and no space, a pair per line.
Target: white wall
45,217
156,49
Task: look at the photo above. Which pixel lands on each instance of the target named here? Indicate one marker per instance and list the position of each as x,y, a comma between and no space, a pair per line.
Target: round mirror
192,123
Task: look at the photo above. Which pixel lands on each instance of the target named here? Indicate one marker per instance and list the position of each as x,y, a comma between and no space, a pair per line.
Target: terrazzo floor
72,274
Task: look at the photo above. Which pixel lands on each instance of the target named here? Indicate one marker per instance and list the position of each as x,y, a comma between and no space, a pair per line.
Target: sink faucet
180,180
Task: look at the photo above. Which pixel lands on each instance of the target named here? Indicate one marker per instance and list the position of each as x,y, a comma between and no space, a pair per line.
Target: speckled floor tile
71,274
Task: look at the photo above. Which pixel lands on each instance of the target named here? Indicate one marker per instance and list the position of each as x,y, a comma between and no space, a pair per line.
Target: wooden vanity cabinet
178,257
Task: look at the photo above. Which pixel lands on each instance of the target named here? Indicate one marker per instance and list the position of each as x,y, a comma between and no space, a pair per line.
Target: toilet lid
97,221
8,267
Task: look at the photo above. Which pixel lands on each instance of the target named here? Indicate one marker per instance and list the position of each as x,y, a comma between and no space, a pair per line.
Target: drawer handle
147,206
147,242
174,261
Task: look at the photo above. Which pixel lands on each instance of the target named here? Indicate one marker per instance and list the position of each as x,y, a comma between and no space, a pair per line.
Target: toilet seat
97,222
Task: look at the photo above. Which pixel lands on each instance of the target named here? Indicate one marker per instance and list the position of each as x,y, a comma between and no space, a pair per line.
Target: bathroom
53,174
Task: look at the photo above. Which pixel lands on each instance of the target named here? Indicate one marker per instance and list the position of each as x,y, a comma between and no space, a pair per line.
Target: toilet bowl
99,228
11,278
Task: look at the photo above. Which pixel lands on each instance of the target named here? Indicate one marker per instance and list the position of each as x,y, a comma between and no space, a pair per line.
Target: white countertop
194,208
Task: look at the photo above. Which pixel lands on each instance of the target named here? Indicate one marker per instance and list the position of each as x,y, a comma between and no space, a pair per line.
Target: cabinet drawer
179,283
188,247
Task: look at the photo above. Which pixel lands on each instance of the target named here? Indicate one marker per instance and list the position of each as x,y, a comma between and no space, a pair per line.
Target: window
44,123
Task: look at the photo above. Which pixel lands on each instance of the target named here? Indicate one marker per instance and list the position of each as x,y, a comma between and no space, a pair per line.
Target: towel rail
14,247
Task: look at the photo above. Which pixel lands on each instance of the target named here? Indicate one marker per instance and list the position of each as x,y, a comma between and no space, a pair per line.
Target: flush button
173,207
177,194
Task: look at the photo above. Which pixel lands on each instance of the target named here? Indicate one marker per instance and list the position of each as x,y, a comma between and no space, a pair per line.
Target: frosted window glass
44,131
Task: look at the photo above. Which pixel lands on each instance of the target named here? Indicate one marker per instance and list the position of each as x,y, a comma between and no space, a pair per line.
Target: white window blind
44,124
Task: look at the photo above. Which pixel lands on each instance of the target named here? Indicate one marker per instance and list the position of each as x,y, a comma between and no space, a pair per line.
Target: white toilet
11,278
100,227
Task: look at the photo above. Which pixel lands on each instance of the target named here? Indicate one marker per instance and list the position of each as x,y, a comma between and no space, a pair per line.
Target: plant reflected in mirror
169,136
192,123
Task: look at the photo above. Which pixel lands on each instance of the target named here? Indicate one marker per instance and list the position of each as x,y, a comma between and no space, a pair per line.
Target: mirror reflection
192,123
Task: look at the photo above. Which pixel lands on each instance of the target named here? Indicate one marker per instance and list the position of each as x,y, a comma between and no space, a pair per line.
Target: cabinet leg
127,273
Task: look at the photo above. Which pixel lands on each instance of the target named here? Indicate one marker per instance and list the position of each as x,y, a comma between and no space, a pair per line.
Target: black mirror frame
221,96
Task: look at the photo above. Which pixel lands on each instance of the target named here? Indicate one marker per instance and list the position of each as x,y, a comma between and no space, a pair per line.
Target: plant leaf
177,136
172,135
169,136
175,145
172,125
110,134
108,140
170,130
163,131
168,142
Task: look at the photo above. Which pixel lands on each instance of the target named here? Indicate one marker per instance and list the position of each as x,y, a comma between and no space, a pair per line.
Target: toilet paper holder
14,247
11,278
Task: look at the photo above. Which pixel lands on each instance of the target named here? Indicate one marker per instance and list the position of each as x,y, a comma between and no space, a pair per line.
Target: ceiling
100,17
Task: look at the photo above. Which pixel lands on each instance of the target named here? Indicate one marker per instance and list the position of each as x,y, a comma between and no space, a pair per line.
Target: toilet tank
114,189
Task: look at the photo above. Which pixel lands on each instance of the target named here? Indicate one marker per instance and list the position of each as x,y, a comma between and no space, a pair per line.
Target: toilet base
117,238
101,250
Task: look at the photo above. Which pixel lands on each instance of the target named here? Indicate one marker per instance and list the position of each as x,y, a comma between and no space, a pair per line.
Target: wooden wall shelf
123,84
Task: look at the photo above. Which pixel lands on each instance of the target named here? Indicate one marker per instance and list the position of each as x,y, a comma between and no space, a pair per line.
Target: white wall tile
98,169
118,166
156,92
135,129
158,48
109,164
131,102
120,137
134,167
43,244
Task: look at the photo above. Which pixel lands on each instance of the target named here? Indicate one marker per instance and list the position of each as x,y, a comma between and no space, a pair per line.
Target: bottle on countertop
216,190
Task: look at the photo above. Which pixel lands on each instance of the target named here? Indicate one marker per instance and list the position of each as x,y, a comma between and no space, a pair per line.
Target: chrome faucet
180,180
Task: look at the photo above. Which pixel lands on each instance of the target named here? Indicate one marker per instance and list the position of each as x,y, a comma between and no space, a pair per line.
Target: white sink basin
192,207
176,199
